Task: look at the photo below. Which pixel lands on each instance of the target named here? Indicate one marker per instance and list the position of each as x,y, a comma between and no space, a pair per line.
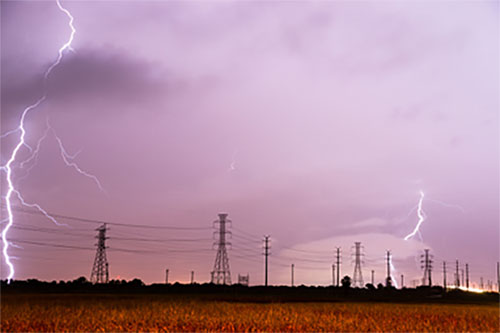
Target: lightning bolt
232,166
8,167
421,217
393,269
65,46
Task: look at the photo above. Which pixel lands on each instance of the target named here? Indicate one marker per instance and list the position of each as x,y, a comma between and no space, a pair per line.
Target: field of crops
155,313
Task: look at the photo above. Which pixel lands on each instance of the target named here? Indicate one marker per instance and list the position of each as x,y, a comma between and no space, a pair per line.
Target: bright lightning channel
7,168
393,269
232,166
421,217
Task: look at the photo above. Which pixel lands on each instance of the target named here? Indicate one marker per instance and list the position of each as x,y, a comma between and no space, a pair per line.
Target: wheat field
117,313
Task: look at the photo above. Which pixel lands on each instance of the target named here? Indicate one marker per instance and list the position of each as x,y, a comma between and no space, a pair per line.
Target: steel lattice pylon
100,270
221,273
357,276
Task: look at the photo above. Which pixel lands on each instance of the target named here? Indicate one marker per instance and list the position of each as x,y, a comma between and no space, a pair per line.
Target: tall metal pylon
388,279
426,262
267,247
358,275
100,269
467,276
338,266
221,273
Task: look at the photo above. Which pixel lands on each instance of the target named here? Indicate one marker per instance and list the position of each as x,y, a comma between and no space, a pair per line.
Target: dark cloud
93,74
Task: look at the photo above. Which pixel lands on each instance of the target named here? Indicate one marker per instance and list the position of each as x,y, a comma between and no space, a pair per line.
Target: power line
85,220
51,245
160,240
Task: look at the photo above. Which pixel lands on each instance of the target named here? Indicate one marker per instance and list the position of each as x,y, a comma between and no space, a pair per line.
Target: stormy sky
317,123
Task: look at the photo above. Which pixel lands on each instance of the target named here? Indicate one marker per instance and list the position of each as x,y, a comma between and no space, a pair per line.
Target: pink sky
334,115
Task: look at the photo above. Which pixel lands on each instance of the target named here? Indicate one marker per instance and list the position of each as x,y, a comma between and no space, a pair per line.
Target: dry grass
71,313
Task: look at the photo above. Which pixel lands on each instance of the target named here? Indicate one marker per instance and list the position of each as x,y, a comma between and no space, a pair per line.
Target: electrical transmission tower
221,273
338,266
467,276
358,275
267,247
457,276
100,270
427,267
388,279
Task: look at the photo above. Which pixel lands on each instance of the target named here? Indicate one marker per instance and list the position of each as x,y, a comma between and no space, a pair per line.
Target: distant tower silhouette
100,270
467,276
338,267
388,278
427,267
244,279
357,276
221,273
267,247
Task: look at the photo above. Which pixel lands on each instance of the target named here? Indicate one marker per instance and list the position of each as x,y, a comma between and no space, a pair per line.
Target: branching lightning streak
34,155
444,204
421,217
66,158
67,45
8,167
392,270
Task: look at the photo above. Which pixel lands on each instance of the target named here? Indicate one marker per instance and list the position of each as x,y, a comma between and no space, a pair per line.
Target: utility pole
357,276
266,254
402,281
221,273
467,276
481,284
100,269
388,280
373,277
444,275
293,266
166,276
192,277
457,276
463,275
333,274
427,266
338,266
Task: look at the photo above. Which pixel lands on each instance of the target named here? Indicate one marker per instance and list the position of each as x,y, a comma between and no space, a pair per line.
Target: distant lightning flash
421,217
8,167
232,166
393,269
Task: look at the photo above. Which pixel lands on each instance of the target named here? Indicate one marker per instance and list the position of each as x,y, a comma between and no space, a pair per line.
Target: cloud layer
340,113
